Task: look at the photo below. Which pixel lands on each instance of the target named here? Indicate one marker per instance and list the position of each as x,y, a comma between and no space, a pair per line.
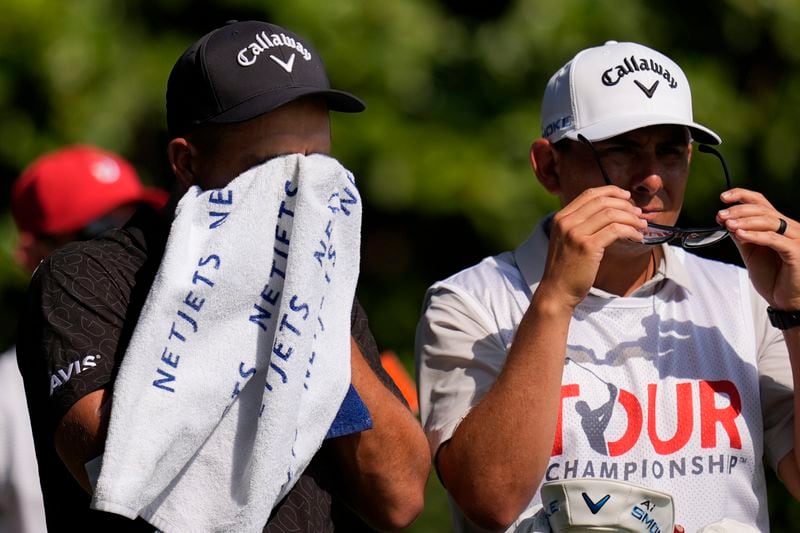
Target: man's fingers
744,196
755,217
771,239
772,223
611,233
590,196
591,216
606,226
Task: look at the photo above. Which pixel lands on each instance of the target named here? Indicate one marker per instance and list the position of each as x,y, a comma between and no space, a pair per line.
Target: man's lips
650,216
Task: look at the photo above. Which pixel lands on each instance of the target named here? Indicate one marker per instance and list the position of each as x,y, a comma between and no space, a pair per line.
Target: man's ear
181,154
544,161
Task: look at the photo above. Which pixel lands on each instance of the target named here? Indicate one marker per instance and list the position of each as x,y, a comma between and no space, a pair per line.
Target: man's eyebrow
633,143
674,142
620,141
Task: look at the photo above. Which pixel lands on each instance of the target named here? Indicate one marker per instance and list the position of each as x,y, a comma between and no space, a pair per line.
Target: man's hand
579,236
772,259
773,263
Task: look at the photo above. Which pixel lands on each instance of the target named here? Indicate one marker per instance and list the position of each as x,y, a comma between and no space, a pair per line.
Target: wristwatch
784,319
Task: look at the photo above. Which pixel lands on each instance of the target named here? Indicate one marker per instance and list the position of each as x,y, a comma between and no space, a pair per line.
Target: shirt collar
530,257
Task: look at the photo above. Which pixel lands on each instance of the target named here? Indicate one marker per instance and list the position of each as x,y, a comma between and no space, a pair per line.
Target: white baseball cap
615,88
596,504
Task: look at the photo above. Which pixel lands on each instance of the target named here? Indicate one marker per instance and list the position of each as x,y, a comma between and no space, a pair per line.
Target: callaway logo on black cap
263,42
243,70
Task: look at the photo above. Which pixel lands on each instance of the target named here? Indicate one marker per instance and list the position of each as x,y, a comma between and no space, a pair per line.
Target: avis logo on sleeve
61,375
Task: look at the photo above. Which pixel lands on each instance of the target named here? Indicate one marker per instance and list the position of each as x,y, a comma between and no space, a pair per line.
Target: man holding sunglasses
597,350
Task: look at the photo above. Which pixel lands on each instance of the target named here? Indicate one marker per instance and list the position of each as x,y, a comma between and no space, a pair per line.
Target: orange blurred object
394,367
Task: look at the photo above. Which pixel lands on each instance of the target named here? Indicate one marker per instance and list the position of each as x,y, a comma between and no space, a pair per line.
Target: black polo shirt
83,303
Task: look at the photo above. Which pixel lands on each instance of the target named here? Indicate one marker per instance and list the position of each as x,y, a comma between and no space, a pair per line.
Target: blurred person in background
73,193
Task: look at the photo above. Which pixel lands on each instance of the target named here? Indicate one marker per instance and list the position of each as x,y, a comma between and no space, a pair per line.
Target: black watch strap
784,319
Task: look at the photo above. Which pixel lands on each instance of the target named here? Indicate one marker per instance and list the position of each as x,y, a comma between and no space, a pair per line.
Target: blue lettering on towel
186,322
221,217
219,197
341,202
162,383
297,317
246,373
282,348
264,310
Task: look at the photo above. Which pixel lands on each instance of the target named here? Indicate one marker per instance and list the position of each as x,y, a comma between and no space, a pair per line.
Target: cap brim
344,102
623,124
269,101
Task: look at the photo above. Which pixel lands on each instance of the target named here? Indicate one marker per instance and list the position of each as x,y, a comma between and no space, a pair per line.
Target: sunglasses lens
704,238
657,235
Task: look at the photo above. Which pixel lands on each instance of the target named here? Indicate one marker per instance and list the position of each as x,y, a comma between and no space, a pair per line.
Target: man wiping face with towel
247,111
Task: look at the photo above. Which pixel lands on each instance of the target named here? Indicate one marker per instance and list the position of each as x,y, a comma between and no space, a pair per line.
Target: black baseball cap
243,70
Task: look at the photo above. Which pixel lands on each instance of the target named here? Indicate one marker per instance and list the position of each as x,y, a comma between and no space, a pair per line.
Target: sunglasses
686,237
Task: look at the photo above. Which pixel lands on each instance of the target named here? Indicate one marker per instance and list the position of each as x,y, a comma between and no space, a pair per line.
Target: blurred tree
453,92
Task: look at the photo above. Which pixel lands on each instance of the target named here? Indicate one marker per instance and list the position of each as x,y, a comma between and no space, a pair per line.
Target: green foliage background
453,91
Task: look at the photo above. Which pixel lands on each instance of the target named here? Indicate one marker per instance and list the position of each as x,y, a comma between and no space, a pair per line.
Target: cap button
611,42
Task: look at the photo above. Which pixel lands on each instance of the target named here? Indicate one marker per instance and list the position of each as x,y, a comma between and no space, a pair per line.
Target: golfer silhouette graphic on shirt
595,421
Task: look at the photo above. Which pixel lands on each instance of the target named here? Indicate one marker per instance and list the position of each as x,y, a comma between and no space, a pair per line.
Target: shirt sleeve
71,329
775,382
459,356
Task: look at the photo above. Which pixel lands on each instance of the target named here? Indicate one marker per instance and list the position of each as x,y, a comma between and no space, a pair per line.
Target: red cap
65,190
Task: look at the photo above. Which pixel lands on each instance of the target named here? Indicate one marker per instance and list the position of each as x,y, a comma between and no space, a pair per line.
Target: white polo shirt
683,386
21,503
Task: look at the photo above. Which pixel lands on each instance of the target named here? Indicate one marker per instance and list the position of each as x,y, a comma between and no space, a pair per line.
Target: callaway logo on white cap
615,88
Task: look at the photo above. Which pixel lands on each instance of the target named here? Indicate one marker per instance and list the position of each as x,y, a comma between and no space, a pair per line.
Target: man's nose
647,177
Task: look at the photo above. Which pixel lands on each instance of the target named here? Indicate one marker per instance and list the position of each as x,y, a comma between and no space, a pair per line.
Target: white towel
241,356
